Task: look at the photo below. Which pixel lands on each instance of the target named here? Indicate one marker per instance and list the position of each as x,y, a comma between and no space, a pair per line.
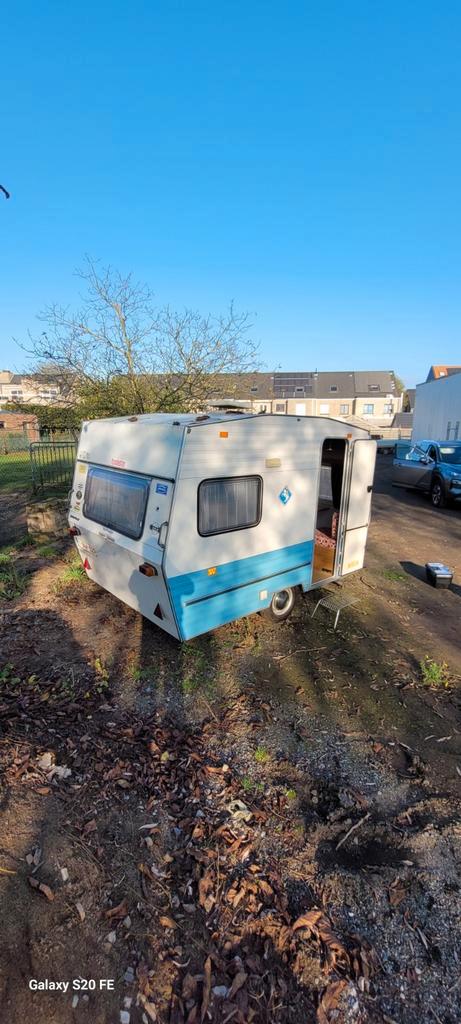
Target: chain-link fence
15,467
12,441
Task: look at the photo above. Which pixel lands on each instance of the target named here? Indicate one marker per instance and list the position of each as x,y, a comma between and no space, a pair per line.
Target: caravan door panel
354,550
358,505
361,484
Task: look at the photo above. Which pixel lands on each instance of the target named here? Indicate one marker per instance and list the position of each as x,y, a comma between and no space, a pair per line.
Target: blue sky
301,159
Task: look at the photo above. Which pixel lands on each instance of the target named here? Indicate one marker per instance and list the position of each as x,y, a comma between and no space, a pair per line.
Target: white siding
438,410
247,448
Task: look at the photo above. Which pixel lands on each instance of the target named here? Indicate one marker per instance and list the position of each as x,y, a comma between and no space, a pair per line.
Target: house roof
403,419
442,370
242,385
329,384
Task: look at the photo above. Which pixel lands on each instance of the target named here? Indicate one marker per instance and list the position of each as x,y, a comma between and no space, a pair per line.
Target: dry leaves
319,927
330,1000
41,887
121,910
167,922
206,988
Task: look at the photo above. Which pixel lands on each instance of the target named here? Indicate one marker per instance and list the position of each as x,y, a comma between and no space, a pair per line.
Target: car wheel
438,496
282,604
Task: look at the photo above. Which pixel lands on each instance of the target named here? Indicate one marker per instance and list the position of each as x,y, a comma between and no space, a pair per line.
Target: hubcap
281,600
436,494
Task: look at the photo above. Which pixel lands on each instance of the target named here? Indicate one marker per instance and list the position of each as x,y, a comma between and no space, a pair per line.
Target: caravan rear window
230,503
116,500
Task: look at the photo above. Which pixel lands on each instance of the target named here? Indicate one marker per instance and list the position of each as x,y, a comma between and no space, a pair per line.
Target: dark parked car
430,466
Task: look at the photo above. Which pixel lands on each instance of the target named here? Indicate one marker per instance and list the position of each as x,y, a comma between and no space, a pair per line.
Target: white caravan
198,520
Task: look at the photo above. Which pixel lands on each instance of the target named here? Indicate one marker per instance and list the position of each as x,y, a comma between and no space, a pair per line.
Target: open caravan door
358,505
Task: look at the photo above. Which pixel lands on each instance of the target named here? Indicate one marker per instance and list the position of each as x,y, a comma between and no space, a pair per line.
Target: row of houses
366,398
37,389
371,396
365,393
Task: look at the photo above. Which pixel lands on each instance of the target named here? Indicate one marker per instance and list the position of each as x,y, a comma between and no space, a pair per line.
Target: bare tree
120,352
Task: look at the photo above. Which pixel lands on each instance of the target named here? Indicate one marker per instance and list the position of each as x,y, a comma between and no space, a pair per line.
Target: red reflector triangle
86,564
158,612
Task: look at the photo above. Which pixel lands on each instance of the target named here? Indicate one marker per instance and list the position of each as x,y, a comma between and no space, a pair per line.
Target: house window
2,425
388,409
374,387
368,410
344,409
300,408
253,390
333,387
280,406
300,391
229,503
116,500
324,408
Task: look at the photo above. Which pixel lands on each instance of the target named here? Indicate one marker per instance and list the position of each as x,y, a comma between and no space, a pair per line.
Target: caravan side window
116,500
231,503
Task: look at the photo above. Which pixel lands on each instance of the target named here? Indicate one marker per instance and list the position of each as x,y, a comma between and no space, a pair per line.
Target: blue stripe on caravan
202,602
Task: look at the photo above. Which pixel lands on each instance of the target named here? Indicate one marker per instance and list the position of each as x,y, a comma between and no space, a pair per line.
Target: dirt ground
261,825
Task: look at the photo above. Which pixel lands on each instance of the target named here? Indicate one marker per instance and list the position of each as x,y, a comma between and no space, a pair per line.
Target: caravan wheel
282,604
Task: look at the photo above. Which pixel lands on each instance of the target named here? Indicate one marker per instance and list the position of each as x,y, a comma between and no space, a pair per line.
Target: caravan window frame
146,480
223,479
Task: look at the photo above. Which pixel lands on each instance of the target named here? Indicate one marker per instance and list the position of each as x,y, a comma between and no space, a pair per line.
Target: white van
198,520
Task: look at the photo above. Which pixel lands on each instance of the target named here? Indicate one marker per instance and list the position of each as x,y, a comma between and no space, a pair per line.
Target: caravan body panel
202,578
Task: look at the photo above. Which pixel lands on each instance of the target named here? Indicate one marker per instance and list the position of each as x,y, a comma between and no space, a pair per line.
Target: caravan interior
329,508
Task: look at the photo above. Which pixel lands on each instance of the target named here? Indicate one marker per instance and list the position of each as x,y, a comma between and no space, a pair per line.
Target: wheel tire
282,604
438,495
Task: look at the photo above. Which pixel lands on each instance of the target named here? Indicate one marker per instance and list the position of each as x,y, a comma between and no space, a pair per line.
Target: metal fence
52,464
42,466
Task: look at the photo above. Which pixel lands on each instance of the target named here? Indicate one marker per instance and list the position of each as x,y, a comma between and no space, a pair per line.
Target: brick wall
17,422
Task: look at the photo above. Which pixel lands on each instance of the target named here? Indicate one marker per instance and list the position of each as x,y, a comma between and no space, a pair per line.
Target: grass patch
140,675
249,786
101,675
12,582
394,575
261,755
434,674
196,669
191,684
291,794
46,550
71,577
25,542
15,472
